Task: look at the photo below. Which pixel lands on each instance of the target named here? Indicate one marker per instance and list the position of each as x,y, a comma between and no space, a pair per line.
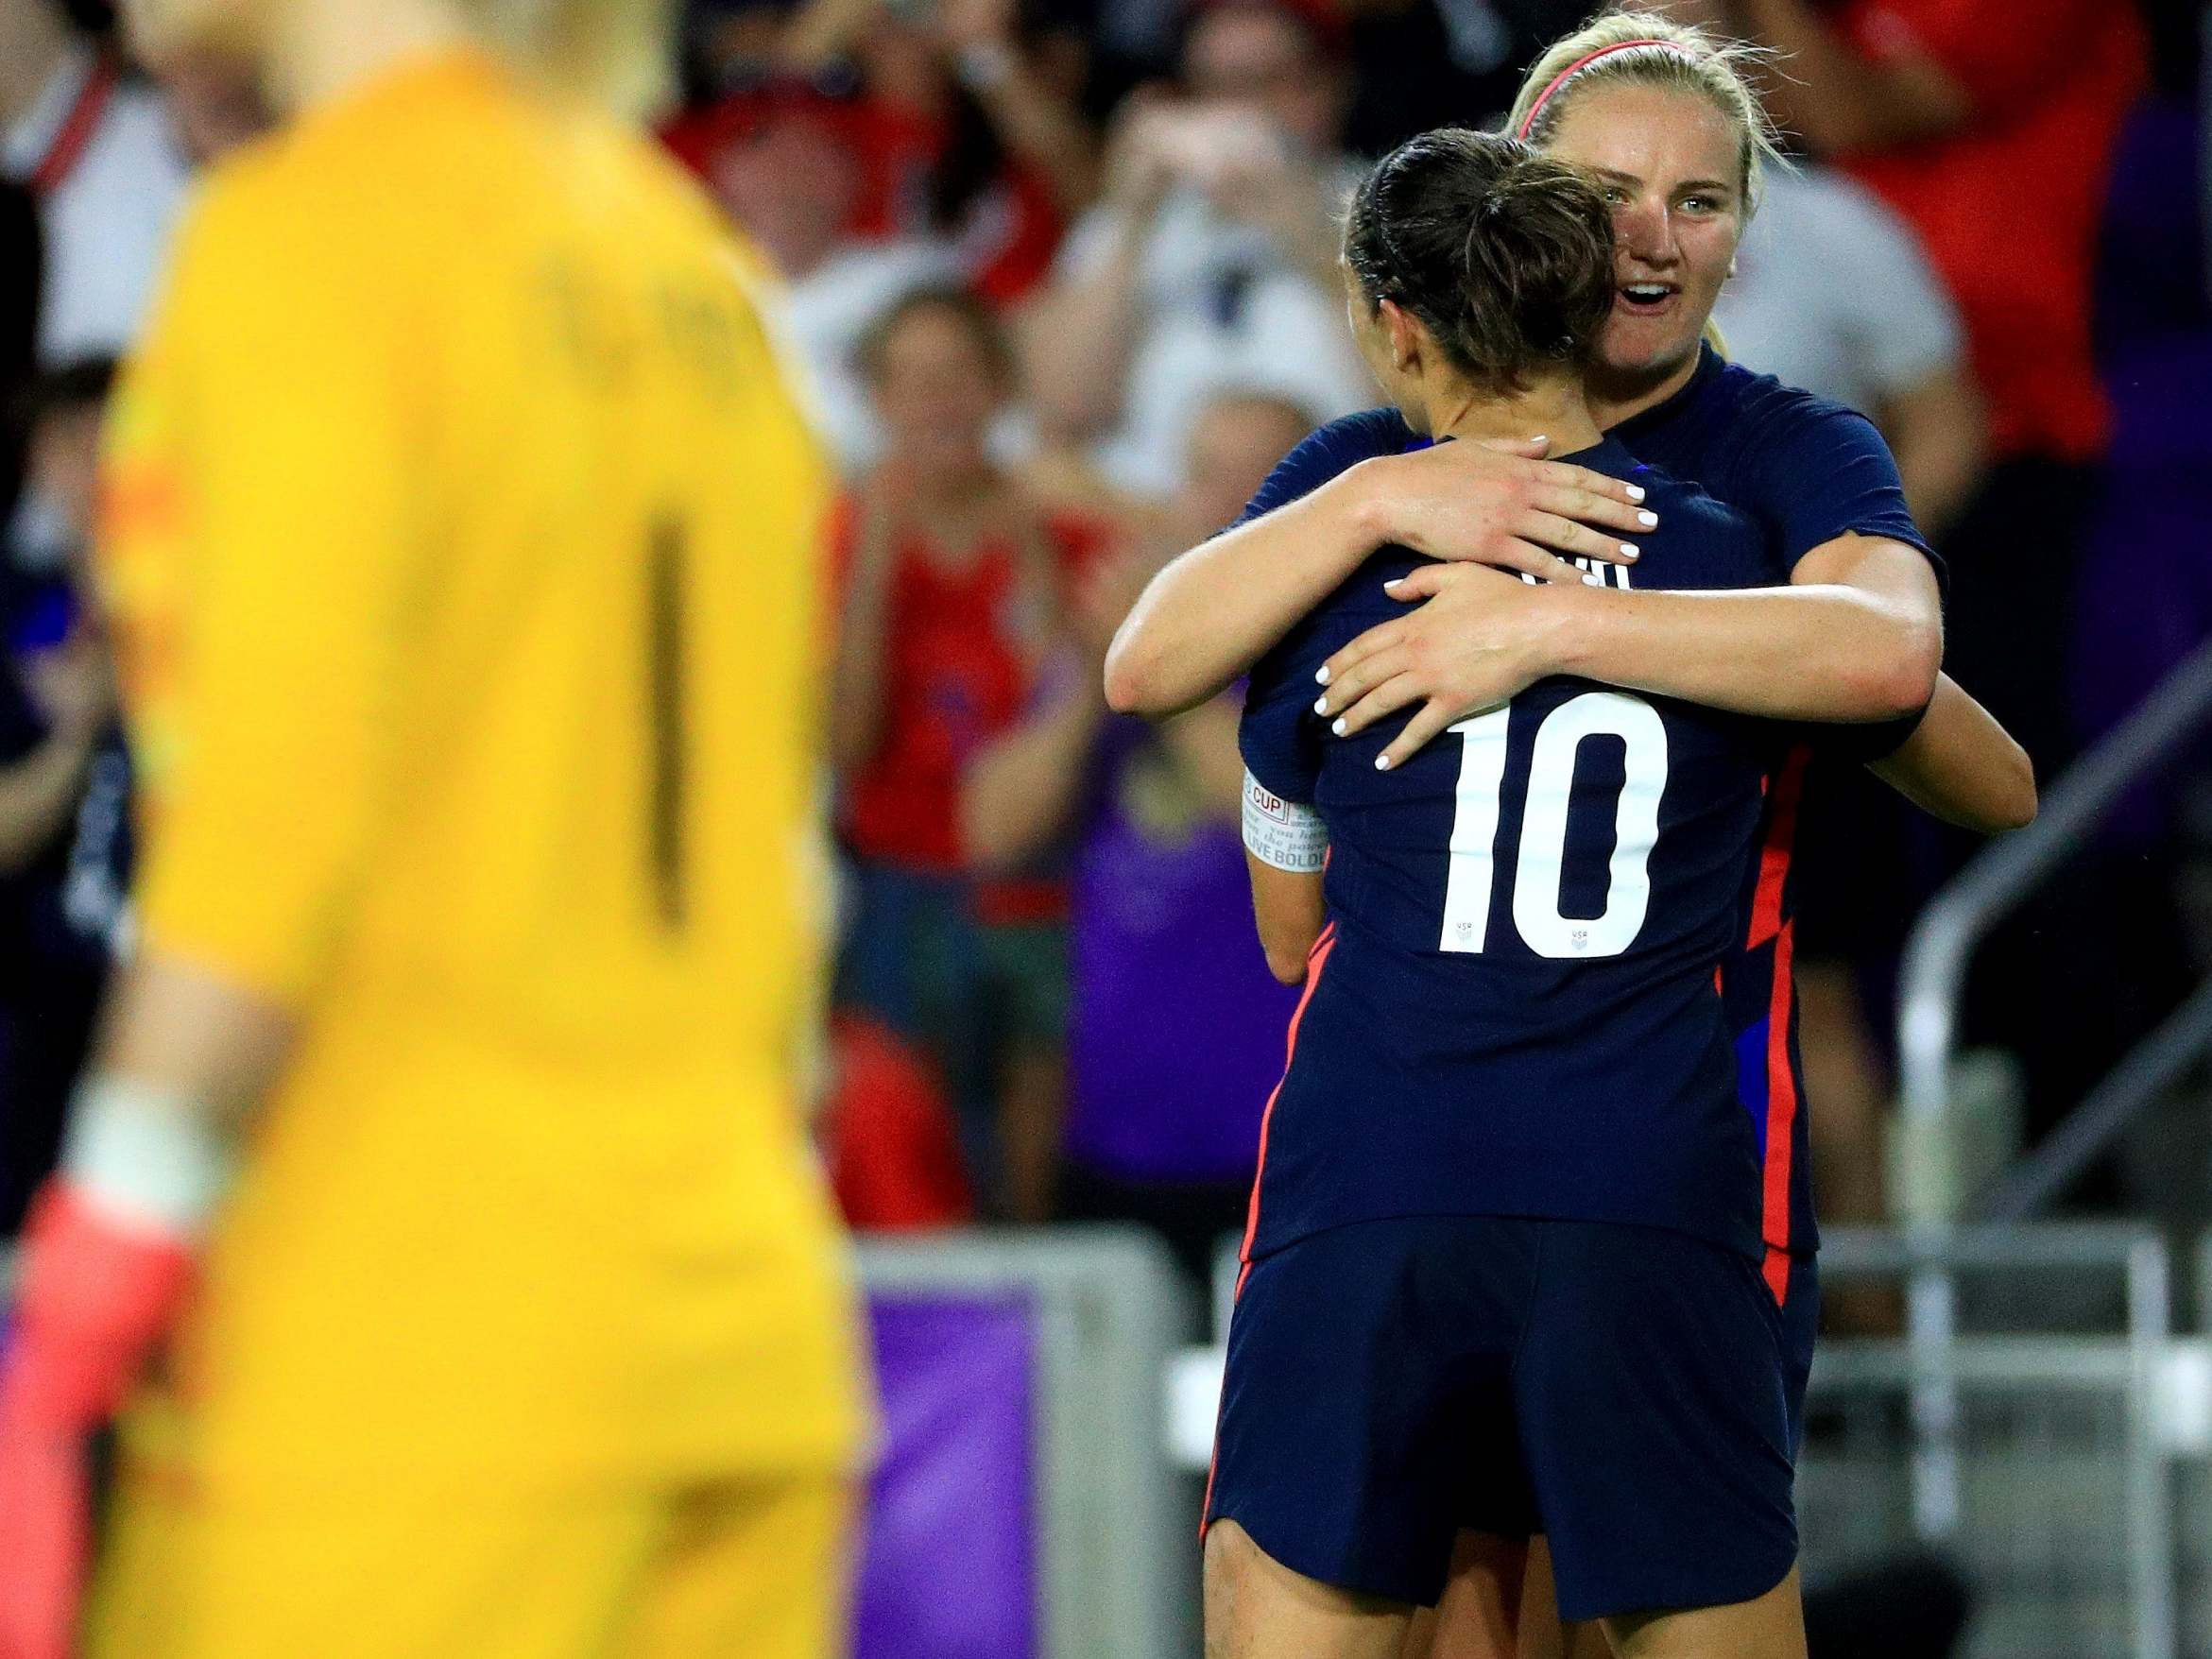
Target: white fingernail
1393,582
1320,705
1635,493
1381,762
1320,674
1337,727
1647,520
1630,550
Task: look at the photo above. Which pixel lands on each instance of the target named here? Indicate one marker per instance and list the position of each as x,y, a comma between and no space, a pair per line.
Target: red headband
1529,121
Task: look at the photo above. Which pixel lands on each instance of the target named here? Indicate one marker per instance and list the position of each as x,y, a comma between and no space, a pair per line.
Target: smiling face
938,388
1669,163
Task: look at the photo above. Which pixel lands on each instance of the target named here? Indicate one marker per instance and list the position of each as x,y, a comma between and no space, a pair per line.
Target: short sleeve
1863,745
1280,735
1325,454
1820,470
269,416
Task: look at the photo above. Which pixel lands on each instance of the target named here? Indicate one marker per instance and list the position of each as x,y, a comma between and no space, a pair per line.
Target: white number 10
1537,873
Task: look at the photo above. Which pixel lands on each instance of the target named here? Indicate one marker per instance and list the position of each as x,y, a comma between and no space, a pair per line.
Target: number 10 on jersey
1539,865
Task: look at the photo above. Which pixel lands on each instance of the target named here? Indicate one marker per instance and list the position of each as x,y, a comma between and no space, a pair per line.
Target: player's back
1515,1012
533,553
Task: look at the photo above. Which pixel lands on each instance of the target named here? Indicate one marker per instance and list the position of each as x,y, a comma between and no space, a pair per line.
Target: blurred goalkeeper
438,1197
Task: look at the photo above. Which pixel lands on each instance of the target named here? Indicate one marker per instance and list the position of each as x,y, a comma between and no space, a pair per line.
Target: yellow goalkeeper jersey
461,538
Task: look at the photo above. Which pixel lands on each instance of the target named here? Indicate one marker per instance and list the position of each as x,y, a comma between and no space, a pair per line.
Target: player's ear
1405,333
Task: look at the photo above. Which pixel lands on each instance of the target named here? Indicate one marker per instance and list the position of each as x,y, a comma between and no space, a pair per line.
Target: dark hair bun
1506,255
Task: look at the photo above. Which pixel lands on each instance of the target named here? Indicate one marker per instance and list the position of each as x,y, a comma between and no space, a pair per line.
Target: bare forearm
37,794
1216,609
177,1029
1938,435
1290,911
1963,768
1821,653
1019,793
1080,337
1834,96
856,686
1043,130
1204,742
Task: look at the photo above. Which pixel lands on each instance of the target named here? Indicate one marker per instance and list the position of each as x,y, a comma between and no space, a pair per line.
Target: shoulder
642,173
1776,424
1327,452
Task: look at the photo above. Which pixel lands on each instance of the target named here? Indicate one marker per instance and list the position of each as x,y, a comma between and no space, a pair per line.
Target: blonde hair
612,52
1642,48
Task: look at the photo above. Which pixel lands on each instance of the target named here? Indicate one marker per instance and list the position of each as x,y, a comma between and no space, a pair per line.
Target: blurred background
1061,277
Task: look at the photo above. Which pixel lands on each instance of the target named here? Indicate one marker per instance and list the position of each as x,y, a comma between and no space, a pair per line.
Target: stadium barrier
1070,1331
2077,1411
1931,986
1048,1419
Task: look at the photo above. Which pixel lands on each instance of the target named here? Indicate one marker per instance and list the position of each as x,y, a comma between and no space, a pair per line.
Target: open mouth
1646,298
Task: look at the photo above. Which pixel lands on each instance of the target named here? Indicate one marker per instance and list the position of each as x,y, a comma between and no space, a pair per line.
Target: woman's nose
1646,231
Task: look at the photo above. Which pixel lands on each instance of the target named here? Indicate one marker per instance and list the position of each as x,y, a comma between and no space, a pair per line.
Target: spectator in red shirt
959,675
1989,125
887,1137
969,134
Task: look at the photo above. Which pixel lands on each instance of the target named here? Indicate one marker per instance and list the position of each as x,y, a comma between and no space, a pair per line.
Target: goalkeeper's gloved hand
102,1279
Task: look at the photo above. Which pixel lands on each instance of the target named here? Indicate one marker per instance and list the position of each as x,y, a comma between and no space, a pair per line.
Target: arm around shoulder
1214,610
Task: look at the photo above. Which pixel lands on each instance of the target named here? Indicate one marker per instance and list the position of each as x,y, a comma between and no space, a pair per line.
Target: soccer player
445,1142
1502,1269
1675,133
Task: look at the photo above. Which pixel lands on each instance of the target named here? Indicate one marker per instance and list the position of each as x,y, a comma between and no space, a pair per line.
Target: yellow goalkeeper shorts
753,1568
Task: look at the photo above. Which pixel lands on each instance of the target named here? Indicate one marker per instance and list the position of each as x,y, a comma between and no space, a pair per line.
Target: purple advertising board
949,1565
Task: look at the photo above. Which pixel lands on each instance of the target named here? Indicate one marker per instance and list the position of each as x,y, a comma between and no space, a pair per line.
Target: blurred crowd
1061,278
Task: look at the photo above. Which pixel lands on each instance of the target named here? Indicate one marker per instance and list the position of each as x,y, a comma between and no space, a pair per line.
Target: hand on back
1480,638
1500,503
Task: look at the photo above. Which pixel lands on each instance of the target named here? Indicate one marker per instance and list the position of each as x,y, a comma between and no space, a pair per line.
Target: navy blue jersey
1806,470
1515,1009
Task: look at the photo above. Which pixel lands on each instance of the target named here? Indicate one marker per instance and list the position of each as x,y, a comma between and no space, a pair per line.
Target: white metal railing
1931,982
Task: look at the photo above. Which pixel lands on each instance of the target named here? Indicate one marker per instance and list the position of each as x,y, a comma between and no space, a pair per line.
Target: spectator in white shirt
1211,263
1832,293
96,150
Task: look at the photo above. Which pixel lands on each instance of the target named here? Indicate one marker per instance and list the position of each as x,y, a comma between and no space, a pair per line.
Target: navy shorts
1634,1394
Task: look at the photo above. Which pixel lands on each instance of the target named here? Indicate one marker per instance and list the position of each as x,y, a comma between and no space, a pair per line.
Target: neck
1615,397
1555,409
33,45
953,492
323,49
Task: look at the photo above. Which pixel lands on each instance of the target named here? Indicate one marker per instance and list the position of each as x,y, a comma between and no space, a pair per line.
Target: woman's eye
1616,197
